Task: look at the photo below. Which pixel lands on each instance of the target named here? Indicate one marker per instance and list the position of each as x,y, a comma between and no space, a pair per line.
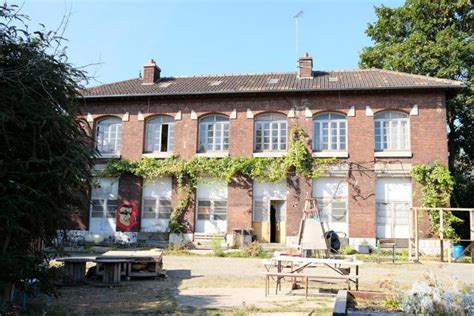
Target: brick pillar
361,199
299,188
188,219
132,138
241,135
185,135
130,188
239,204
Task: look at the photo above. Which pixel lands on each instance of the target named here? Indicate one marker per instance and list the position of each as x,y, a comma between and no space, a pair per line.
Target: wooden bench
304,278
74,269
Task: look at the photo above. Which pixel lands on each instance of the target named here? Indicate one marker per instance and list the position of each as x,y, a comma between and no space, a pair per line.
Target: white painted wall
159,188
394,198
106,188
211,189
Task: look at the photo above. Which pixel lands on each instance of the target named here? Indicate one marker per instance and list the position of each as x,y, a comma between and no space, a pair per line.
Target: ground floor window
211,206
104,199
157,208
331,198
212,210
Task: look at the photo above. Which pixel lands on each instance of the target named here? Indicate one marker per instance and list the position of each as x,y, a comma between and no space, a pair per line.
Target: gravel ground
195,283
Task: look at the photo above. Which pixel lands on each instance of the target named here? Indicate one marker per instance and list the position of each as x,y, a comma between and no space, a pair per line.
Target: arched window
330,132
270,132
159,134
109,136
213,133
392,131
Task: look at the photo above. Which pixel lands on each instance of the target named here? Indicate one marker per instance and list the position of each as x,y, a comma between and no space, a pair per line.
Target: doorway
277,234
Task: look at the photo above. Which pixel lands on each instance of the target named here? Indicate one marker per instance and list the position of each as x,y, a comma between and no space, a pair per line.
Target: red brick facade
427,130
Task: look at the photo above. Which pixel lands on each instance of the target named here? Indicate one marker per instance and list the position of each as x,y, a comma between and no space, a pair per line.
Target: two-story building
377,123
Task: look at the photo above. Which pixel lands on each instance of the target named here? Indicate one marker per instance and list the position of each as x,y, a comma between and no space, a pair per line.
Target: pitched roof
364,79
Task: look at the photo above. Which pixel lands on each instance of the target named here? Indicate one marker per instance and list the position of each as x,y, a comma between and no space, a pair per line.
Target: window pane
111,208
220,210
149,208
97,208
204,210
164,209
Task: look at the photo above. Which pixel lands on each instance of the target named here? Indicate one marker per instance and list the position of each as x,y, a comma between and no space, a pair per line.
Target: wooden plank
340,306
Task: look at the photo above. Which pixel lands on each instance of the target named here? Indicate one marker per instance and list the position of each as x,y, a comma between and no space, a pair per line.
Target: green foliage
391,303
348,250
437,187
434,38
217,248
45,160
188,173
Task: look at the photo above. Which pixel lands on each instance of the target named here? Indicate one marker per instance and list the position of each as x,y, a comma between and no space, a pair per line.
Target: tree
45,160
433,38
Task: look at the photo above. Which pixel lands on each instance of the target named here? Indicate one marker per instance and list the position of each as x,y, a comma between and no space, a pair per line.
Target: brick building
377,123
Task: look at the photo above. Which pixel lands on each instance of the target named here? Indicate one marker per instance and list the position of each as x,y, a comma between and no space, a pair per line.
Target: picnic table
297,266
135,263
111,269
75,269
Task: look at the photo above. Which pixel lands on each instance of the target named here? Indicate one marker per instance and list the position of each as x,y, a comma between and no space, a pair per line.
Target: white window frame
272,123
264,212
219,127
325,204
212,209
109,136
158,207
335,126
110,200
395,130
154,131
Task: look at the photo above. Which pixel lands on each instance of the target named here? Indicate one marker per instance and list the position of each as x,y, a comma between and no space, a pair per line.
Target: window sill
214,154
158,155
401,153
108,156
270,154
331,154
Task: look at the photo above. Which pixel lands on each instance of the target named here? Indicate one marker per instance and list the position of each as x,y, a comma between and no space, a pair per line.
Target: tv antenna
296,17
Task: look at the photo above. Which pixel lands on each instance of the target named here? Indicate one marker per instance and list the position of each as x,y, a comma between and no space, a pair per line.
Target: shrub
432,297
253,250
217,248
348,250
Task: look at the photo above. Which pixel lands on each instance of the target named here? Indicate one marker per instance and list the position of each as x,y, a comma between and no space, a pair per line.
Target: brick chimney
305,65
151,72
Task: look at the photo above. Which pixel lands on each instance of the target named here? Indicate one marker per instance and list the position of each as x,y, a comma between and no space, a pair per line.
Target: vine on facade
188,173
437,187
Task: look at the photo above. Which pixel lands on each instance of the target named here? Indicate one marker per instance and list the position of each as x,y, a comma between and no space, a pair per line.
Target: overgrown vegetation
188,173
434,38
45,159
437,187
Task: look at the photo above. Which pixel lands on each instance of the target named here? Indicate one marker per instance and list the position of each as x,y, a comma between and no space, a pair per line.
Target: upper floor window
330,132
213,133
391,131
109,136
159,134
270,132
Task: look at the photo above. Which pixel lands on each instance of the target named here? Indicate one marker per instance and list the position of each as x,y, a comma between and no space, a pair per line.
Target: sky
114,39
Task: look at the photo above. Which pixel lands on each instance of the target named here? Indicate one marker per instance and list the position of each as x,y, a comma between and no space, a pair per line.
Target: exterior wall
427,130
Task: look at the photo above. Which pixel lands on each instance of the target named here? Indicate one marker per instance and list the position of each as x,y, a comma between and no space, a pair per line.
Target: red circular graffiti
127,214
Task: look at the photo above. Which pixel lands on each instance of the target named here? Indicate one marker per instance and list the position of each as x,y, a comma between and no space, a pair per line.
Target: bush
348,250
217,248
178,249
434,297
253,250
